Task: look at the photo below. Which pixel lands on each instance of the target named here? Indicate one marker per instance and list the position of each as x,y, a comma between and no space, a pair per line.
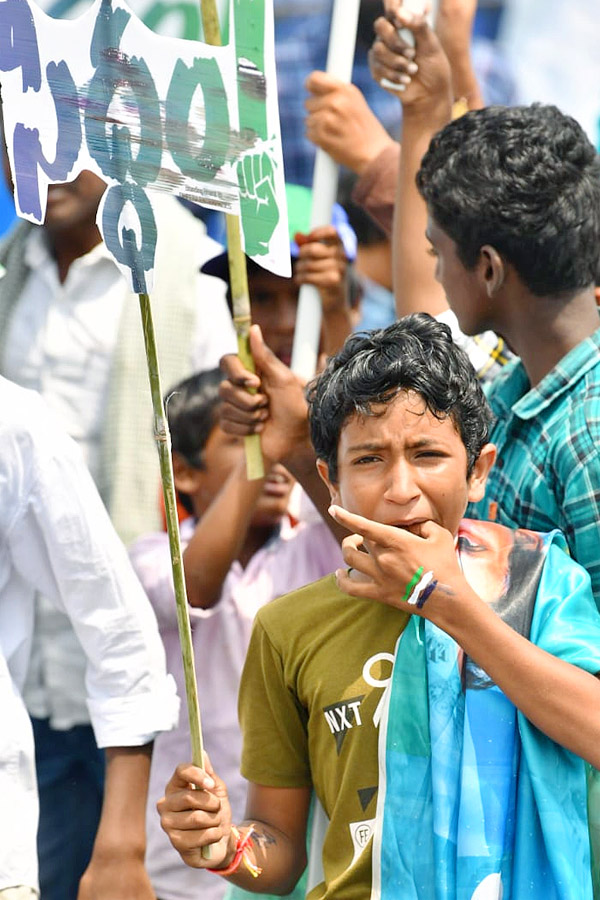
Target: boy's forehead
415,414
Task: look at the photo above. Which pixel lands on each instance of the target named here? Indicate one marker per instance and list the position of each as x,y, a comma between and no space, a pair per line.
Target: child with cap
320,257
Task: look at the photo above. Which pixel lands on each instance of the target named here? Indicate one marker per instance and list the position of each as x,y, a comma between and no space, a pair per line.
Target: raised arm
278,412
219,535
426,107
454,28
340,121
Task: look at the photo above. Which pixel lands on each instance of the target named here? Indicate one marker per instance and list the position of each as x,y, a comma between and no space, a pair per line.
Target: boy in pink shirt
241,550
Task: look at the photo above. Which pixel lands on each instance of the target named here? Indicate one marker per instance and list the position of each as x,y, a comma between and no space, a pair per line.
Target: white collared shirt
56,538
61,342
62,337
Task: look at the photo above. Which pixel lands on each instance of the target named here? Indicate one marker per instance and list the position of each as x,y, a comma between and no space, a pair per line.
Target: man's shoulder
575,431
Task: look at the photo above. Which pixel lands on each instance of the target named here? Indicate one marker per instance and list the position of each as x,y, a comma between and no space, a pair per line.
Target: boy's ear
187,478
332,487
480,472
493,269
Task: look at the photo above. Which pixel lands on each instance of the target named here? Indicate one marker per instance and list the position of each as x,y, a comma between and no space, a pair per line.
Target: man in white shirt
56,538
70,328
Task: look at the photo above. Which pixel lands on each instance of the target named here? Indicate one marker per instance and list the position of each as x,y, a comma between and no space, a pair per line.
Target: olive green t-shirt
310,697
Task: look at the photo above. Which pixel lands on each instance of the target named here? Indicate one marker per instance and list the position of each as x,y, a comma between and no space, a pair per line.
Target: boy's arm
558,698
194,818
279,413
219,536
426,108
340,122
454,28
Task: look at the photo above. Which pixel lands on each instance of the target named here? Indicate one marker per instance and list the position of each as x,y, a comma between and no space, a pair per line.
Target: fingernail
392,85
208,782
405,79
412,68
332,511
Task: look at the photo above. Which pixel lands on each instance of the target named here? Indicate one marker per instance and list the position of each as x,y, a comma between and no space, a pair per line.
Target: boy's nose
402,487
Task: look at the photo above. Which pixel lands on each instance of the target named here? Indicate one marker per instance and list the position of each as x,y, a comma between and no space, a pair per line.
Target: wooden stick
163,445
238,273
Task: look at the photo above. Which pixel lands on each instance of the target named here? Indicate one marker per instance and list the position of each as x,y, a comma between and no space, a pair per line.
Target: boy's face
405,467
461,285
222,453
274,302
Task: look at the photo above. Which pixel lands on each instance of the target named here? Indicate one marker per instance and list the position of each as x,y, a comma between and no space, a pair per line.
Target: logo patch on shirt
342,717
361,833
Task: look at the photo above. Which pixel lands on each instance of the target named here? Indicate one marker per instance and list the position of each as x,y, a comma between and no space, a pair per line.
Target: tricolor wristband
419,588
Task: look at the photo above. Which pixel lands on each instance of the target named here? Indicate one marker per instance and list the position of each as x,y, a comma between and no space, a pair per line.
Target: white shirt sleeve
63,544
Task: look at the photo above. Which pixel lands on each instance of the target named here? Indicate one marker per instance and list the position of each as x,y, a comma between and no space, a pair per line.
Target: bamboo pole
163,445
238,274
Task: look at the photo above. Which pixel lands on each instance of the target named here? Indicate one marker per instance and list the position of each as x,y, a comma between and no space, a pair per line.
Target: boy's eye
432,251
362,460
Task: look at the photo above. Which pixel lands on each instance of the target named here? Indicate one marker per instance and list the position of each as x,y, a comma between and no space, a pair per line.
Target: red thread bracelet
241,855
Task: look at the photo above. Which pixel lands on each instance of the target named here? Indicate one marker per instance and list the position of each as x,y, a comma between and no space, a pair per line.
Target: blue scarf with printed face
474,802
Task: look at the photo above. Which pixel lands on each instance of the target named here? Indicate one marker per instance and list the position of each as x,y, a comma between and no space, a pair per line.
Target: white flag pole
340,57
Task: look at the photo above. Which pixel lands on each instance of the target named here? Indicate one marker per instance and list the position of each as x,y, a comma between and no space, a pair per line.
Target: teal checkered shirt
547,474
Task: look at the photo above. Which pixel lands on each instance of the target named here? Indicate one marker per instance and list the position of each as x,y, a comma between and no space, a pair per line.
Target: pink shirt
297,556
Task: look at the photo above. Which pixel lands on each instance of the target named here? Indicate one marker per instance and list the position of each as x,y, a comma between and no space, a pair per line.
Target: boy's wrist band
424,596
241,855
412,584
421,588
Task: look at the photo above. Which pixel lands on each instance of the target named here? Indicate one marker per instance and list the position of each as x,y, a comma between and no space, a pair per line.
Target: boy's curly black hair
416,353
525,180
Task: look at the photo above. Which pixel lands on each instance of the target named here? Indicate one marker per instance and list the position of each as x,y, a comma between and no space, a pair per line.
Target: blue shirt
547,474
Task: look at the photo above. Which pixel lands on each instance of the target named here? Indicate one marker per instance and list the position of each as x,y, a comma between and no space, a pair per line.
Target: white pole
340,57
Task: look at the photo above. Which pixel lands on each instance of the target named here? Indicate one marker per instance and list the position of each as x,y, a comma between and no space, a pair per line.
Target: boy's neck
256,539
542,330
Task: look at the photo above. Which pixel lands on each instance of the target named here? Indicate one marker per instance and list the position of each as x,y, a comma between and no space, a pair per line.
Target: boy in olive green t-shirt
399,425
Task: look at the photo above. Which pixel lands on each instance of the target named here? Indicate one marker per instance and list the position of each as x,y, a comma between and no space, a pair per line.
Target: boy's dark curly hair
416,353
525,180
